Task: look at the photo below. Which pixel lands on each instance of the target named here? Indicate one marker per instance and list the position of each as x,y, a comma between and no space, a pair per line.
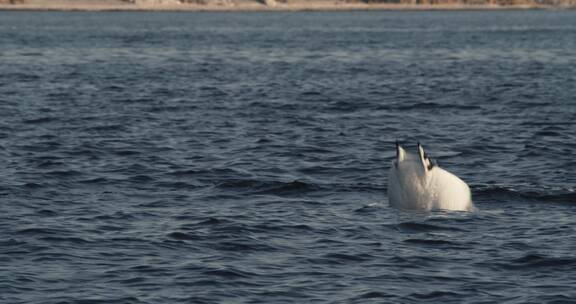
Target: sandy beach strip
246,6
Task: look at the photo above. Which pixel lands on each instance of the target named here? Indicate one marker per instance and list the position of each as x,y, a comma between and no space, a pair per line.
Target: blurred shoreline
271,5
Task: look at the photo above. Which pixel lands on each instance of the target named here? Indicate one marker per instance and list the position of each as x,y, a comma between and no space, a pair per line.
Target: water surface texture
243,157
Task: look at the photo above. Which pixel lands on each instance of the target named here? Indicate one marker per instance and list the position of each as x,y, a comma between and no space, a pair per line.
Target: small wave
228,273
31,54
34,185
142,179
96,181
428,242
531,261
213,221
412,227
11,243
147,269
177,185
131,281
242,246
211,174
293,188
435,295
107,128
492,193
311,93
267,228
71,240
50,164
23,77
39,231
133,100
433,105
348,257
127,152
42,146
63,173
374,295
288,188
47,213
182,236
369,208
40,120
119,215
268,187
414,261
548,133
107,300
293,201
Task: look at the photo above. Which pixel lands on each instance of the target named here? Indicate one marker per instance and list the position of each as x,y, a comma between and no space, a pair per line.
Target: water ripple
192,158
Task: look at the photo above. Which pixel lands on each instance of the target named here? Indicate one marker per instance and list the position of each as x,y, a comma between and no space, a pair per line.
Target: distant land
280,5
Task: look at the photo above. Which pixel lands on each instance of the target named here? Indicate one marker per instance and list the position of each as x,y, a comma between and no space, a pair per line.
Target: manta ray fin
400,152
427,164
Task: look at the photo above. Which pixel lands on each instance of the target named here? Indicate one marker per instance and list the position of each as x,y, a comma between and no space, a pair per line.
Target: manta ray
415,182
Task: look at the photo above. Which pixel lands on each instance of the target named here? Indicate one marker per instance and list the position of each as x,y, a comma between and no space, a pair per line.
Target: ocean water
243,157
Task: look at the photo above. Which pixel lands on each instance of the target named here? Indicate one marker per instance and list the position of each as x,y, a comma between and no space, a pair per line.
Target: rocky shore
279,5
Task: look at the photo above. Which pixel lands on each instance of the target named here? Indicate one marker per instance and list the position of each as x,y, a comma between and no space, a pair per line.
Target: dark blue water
243,157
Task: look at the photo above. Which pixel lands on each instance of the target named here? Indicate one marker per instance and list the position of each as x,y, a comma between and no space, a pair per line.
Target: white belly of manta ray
416,183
